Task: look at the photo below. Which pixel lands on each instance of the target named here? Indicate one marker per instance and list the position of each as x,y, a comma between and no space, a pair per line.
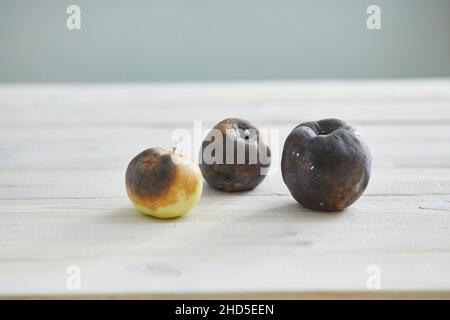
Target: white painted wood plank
96,105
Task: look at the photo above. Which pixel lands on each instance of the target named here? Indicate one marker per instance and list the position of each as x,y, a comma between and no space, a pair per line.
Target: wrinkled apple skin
163,184
235,177
325,164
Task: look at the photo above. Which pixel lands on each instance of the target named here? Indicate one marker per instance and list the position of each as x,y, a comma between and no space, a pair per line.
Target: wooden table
63,154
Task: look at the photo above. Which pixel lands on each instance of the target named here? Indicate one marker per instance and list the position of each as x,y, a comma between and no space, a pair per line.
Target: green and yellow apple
162,183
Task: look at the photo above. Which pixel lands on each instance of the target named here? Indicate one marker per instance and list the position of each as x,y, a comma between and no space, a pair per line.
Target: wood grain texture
63,154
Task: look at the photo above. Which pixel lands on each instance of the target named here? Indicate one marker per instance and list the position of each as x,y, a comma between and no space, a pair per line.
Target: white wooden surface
63,154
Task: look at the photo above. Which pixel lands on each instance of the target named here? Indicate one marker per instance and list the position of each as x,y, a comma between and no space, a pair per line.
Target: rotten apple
234,156
162,183
325,164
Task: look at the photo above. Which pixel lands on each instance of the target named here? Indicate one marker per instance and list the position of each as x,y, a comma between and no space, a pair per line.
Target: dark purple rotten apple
325,164
233,156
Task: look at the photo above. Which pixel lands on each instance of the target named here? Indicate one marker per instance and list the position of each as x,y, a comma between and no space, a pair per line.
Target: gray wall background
179,40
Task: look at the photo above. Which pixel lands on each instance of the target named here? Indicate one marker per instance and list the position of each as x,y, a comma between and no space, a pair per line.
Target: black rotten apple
325,164
234,156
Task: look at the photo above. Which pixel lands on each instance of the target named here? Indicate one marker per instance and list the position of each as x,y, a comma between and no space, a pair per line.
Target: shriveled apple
325,164
234,156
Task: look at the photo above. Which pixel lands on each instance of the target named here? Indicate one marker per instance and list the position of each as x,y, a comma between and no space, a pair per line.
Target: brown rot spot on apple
234,156
150,173
325,164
